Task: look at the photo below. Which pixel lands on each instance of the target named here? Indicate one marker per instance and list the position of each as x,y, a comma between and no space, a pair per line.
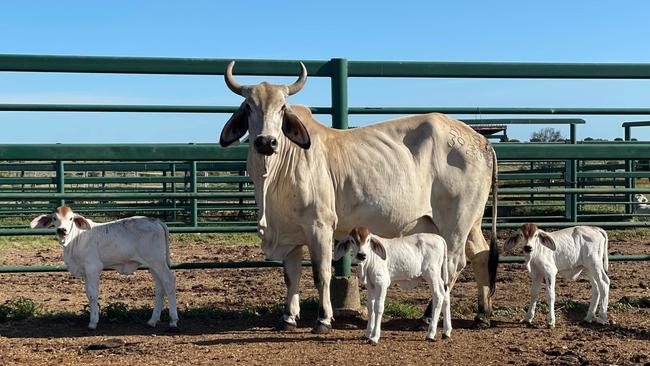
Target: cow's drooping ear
81,222
511,242
42,221
341,249
294,129
236,126
378,248
546,240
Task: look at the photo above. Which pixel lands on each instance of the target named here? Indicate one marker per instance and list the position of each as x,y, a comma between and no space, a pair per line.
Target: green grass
402,310
22,308
19,308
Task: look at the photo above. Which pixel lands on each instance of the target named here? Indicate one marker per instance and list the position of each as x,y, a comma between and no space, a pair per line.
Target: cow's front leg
320,250
292,268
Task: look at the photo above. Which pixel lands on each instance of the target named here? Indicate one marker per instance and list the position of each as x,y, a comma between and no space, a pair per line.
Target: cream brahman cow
417,174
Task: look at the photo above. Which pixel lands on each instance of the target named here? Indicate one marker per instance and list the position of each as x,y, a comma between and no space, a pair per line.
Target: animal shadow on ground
56,328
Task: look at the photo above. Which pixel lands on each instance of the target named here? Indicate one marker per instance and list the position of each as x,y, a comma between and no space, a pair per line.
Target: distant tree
618,139
546,134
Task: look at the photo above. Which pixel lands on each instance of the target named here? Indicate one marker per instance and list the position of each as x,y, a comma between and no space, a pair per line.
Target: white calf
643,208
403,260
122,245
568,252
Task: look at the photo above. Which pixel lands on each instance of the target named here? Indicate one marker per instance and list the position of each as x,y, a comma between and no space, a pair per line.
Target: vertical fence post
629,181
339,80
172,172
193,188
344,287
60,180
571,181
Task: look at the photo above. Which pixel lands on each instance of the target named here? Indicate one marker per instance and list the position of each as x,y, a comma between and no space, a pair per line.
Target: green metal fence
184,197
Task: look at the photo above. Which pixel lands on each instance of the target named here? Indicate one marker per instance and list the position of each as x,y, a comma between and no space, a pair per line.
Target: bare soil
253,340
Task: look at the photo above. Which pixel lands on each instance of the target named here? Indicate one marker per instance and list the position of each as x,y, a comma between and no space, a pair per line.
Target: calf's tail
167,240
605,250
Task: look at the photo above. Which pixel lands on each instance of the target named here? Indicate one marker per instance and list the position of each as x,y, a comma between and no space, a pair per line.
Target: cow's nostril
274,142
361,256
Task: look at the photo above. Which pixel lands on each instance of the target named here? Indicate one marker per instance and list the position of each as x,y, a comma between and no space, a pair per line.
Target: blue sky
549,31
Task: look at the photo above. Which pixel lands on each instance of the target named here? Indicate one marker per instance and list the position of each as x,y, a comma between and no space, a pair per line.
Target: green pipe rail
339,71
269,264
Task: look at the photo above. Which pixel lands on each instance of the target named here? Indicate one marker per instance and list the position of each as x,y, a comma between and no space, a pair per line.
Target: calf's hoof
286,327
372,343
430,339
322,328
92,326
481,321
446,336
152,323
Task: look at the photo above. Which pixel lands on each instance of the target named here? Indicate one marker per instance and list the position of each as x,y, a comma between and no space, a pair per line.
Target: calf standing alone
122,245
568,252
403,260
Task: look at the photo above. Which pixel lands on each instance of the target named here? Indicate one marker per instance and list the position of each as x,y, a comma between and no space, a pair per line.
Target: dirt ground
253,340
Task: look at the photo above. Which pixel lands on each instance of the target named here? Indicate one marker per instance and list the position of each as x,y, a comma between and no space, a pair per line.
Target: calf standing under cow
122,245
404,261
568,252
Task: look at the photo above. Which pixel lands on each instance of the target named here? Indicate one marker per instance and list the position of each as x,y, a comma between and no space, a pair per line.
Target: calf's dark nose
61,231
361,256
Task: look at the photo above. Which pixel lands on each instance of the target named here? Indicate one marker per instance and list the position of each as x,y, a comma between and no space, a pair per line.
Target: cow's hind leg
292,270
478,253
320,250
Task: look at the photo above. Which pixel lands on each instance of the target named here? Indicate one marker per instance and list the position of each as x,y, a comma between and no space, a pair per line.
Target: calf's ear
378,248
341,249
81,222
42,221
546,240
511,242
236,127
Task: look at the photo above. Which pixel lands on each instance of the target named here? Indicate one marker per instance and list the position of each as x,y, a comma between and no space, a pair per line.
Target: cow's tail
606,250
167,240
493,261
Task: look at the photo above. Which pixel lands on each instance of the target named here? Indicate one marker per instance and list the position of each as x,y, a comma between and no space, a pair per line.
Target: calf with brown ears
567,252
402,260
123,245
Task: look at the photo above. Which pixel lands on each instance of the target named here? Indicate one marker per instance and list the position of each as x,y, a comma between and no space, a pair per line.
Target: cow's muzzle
266,145
528,249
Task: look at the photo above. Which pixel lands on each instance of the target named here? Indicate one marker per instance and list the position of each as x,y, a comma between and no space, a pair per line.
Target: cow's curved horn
295,87
230,80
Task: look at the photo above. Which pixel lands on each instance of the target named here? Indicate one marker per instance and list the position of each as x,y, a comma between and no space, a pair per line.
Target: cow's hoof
286,327
481,321
444,336
430,339
173,329
372,343
322,328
